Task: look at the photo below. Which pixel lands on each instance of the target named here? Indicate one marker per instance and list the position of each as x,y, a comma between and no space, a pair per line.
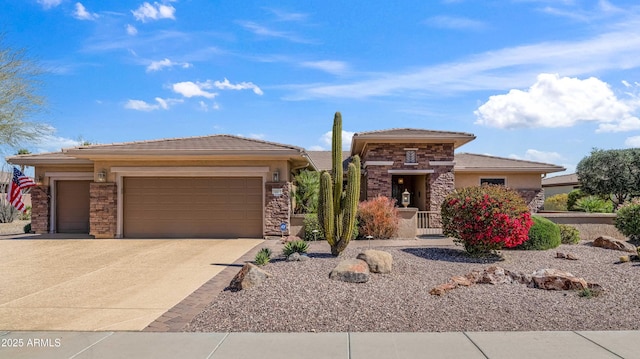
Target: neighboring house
560,184
227,186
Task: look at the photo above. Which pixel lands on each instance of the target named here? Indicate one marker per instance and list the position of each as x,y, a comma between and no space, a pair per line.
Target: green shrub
295,247
27,228
310,224
594,204
573,197
263,256
543,235
569,234
557,202
26,215
485,218
627,220
378,217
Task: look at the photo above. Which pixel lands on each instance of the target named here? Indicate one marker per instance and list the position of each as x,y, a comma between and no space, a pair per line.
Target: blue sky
543,80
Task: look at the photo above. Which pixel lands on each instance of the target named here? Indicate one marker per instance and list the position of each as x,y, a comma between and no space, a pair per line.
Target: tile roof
411,132
202,143
322,160
467,162
562,180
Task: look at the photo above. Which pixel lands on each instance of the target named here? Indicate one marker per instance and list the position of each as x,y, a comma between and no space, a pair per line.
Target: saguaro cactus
337,204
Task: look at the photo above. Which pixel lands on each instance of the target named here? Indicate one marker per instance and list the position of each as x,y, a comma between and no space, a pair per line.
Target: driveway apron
91,285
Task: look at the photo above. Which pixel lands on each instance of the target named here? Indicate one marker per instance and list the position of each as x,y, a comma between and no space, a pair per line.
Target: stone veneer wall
103,209
534,198
277,210
40,205
440,183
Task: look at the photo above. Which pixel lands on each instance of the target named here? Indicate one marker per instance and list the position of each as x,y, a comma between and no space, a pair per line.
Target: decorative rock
555,279
571,257
461,281
297,257
351,270
249,276
612,243
495,275
560,255
378,261
442,288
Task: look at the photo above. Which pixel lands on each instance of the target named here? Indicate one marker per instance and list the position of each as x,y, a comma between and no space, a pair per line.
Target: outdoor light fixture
102,176
400,180
276,176
405,198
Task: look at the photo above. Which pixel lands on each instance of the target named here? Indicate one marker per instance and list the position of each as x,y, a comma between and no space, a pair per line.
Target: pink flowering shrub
486,218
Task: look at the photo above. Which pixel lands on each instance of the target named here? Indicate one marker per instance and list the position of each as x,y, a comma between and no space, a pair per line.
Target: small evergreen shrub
627,220
485,218
263,256
543,235
378,217
295,247
594,204
310,223
573,197
557,202
27,228
569,234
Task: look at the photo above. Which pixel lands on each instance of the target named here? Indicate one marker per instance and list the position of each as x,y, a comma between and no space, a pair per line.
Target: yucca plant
295,247
337,205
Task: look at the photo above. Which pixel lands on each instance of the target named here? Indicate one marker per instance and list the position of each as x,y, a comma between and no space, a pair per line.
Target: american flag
17,184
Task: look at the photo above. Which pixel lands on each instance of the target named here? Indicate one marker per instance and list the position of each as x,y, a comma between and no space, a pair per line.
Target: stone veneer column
441,183
378,181
277,209
534,198
40,205
103,210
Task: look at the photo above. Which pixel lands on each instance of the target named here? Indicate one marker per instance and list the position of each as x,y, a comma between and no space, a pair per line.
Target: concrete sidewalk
522,345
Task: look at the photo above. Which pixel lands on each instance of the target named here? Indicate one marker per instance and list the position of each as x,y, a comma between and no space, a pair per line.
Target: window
410,157
497,181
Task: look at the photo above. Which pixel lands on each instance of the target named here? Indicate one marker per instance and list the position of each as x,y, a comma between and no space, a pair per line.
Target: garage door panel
72,206
193,207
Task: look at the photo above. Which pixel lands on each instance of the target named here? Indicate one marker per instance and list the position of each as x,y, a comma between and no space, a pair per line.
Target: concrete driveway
104,284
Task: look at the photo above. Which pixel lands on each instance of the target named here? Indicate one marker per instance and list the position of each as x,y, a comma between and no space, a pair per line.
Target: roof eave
509,169
359,141
101,154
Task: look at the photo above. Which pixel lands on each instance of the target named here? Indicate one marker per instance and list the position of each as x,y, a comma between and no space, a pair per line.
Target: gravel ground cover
301,298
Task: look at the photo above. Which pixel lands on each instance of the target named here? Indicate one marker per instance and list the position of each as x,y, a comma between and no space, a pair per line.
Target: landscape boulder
612,243
555,279
351,270
378,261
249,276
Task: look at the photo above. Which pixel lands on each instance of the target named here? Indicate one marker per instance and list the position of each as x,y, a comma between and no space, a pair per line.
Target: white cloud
51,143
166,63
264,31
546,157
500,69
316,148
206,107
193,89
346,139
131,30
48,4
559,102
288,16
226,85
81,13
161,103
156,11
332,67
456,23
633,141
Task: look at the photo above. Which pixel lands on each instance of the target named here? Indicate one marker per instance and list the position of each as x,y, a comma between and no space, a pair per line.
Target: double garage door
174,207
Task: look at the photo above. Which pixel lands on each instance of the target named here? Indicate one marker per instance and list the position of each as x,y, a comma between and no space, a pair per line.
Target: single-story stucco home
224,186
560,184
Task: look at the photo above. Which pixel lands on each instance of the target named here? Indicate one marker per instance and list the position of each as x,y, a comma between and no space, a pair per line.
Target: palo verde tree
19,98
613,174
337,204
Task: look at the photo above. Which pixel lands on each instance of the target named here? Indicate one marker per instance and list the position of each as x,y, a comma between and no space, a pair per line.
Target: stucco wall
513,180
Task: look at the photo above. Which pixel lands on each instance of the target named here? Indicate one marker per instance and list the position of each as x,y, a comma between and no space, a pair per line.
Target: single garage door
72,206
200,207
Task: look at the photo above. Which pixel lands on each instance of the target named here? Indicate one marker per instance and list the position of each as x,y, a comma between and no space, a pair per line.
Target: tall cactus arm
325,208
336,156
350,206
